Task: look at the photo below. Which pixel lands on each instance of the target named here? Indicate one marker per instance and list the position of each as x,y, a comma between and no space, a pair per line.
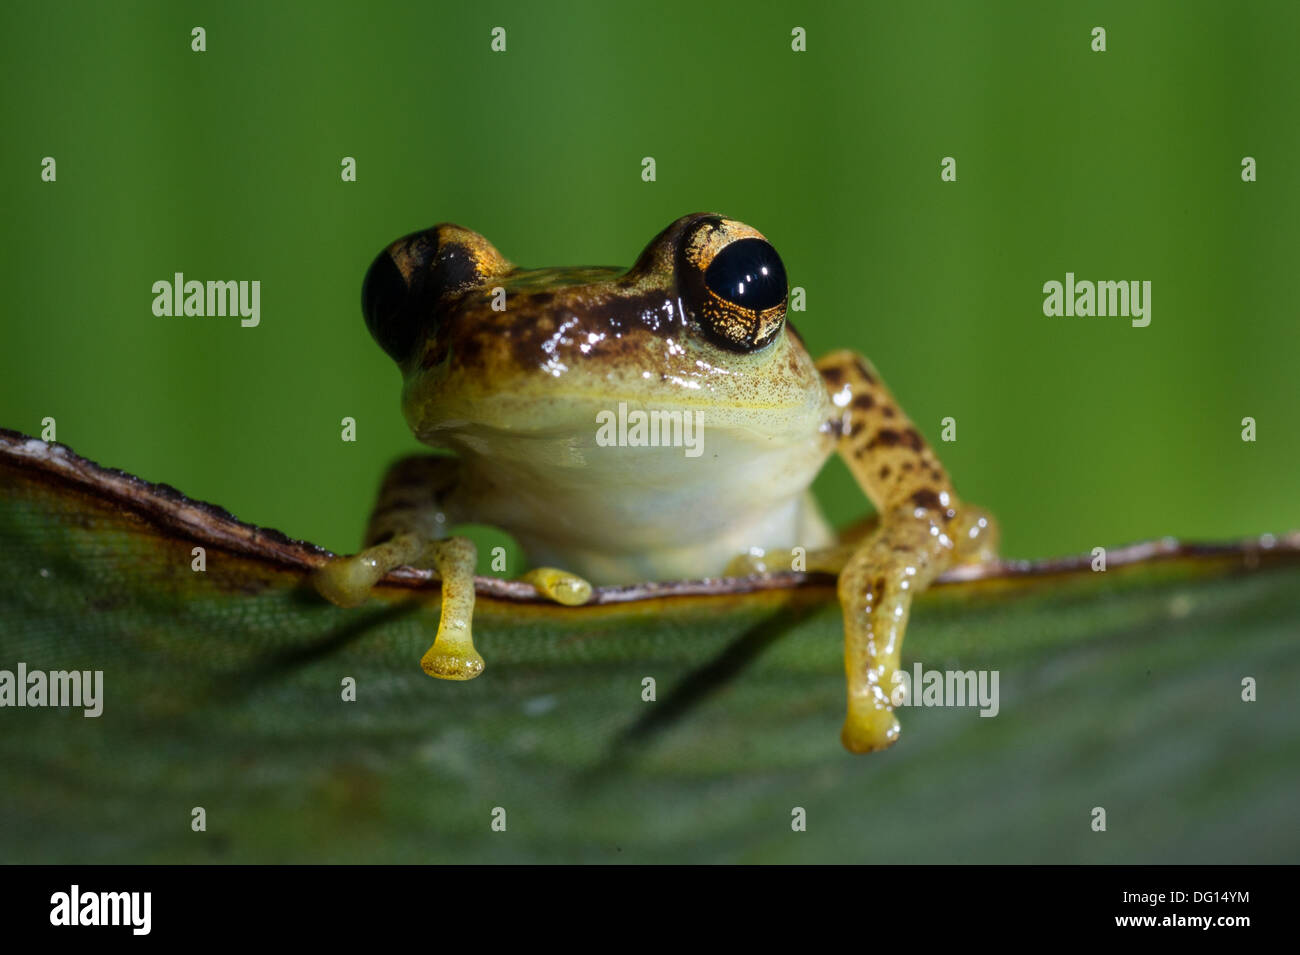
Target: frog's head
489,348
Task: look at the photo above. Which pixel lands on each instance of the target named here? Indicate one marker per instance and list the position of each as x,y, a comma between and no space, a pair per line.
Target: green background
1115,165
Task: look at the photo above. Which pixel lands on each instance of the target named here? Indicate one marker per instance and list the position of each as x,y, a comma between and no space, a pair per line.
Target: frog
508,373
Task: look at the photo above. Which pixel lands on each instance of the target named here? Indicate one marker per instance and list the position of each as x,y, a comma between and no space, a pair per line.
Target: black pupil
748,273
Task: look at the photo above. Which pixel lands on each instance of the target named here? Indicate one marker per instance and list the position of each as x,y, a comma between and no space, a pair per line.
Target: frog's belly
628,515
797,522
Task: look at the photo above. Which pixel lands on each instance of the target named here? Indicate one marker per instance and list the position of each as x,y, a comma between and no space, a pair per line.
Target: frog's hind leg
923,529
758,562
820,550
830,559
408,526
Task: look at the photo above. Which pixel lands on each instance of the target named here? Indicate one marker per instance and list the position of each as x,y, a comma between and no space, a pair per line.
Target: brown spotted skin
886,454
924,529
569,316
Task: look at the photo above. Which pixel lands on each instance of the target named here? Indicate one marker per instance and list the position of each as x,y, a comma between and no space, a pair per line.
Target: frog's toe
752,563
452,656
559,585
452,660
976,536
870,725
757,562
347,581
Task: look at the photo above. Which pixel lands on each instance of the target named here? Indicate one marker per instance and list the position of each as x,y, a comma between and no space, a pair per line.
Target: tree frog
520,372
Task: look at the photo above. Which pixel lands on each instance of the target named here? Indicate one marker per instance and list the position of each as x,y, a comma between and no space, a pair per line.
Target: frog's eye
748,274
401,290
736,283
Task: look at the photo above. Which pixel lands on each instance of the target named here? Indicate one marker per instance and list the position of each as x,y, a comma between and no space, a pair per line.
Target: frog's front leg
408,526
924,528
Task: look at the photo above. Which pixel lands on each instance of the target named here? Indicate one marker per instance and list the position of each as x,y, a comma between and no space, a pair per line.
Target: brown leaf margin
171,512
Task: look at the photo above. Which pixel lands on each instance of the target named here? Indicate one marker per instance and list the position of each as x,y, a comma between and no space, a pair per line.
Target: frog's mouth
623,432
642,400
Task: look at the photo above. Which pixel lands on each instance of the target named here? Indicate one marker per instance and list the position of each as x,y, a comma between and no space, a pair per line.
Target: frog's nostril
384,295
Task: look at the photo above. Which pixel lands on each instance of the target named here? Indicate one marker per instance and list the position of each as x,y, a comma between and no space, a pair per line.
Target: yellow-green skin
511,370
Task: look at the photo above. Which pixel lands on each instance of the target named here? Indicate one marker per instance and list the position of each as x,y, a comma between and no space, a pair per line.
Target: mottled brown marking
470,351
885,438
483,341
927,499
433,355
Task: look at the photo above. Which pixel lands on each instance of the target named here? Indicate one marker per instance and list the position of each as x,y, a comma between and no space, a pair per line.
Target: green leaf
222,690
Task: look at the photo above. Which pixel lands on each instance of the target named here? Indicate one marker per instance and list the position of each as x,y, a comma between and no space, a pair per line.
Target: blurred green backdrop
1117,165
